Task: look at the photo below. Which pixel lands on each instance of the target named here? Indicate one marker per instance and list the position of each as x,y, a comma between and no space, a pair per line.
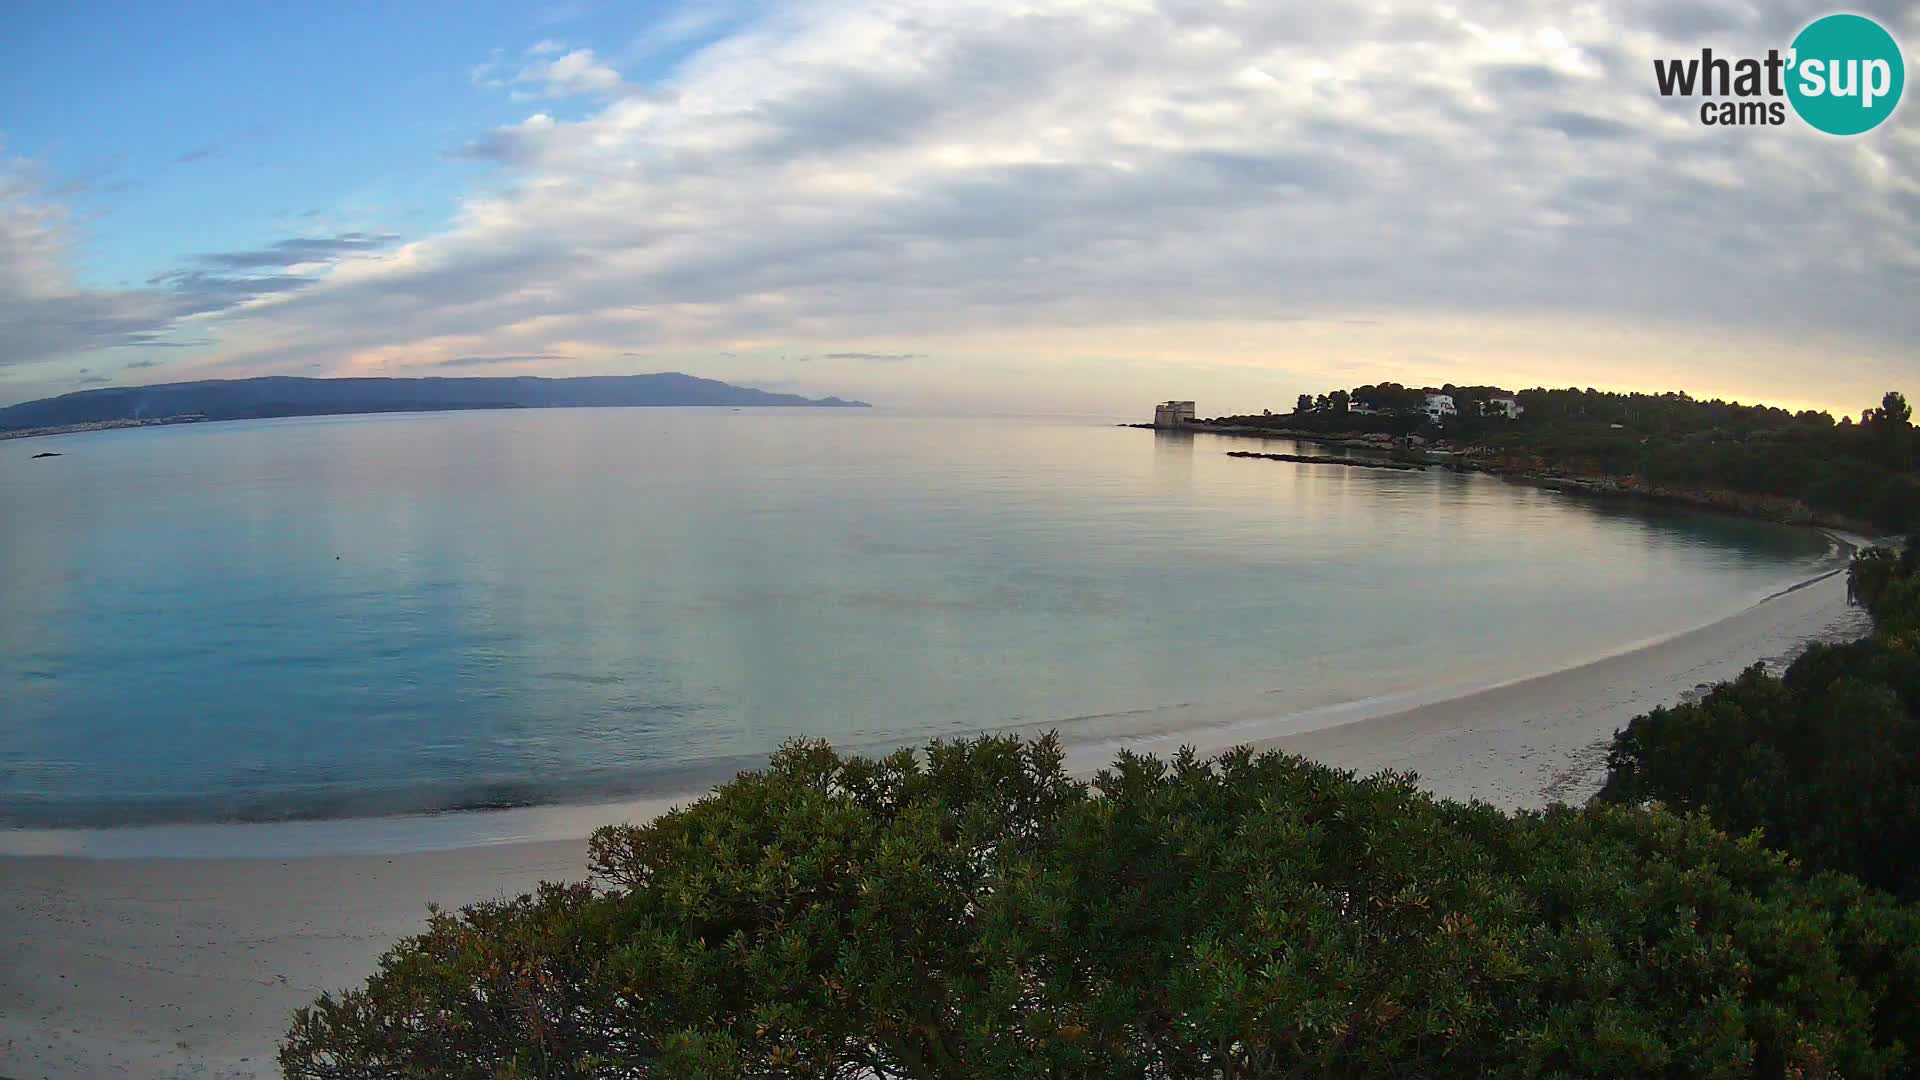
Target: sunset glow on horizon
960,205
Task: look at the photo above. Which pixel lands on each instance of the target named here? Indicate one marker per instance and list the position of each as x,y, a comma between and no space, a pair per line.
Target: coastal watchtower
1173,414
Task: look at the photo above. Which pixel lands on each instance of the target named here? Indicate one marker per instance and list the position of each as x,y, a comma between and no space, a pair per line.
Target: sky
945,204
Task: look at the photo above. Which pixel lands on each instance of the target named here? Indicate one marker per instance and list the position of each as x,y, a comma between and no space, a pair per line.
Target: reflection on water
339,615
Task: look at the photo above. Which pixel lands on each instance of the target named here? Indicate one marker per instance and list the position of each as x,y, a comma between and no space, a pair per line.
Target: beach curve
176,967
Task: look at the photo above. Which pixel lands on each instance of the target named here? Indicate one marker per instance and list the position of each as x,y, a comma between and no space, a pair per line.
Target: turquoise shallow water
345,616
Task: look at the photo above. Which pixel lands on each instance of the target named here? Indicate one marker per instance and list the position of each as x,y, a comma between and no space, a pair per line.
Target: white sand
1544,739
190,967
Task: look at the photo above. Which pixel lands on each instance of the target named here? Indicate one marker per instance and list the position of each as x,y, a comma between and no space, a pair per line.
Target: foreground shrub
1825,761
973,911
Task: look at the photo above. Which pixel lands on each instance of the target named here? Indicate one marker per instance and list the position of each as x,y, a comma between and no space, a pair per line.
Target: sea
349,617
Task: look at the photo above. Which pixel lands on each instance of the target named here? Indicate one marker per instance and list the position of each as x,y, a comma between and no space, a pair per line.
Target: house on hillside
1505,404
1439,406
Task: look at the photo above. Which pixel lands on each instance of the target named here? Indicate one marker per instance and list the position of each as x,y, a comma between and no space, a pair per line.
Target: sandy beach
189,967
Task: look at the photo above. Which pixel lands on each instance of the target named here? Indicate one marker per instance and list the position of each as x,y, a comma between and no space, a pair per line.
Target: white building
1505,404
1173,414
1439,405
1361,408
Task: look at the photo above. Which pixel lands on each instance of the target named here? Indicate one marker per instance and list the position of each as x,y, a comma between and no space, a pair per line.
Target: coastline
190,966
176,421
1543,739
1210,727
1774,508
98,425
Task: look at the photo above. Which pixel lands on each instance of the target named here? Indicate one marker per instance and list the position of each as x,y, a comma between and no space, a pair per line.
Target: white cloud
862,174
690,21
44,314
572,74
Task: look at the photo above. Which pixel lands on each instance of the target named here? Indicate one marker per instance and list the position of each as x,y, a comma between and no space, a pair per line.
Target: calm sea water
365,615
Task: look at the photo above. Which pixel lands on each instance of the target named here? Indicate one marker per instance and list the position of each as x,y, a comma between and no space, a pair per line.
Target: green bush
1825,761
973,911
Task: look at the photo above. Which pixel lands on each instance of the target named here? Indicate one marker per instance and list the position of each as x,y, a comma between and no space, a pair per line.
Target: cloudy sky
944,204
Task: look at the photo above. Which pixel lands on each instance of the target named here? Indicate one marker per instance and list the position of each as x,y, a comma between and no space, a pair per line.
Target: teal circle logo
1845,74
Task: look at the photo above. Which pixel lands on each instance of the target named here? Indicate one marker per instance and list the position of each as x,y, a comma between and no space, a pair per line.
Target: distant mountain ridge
280,395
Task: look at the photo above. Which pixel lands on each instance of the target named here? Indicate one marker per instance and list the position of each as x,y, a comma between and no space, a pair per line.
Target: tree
1894,411
1892,425
973,911
1870,574
1825,760
1805,466
1304,404
1337,402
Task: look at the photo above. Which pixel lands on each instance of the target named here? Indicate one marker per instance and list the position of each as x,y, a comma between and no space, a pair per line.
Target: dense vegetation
973,911
1864,471
1825,761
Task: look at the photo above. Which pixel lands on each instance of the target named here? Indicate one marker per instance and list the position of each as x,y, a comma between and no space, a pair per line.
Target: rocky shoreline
1776,508
1357,442
1414,452
1317,459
